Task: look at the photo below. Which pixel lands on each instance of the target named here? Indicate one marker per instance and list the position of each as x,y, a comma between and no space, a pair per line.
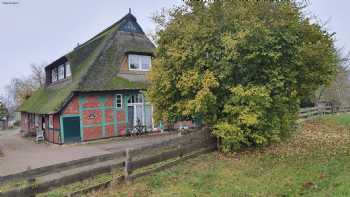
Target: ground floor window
51,122
118,101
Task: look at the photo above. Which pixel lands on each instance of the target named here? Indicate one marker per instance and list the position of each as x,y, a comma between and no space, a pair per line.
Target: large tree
240,66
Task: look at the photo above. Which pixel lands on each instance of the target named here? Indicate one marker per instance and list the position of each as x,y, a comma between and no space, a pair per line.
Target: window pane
118,101
139,99
61,72
54,74
134,62
148,117
68,72
145,62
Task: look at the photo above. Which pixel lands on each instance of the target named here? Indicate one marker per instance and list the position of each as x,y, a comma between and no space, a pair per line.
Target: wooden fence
313,112
181,148
137,162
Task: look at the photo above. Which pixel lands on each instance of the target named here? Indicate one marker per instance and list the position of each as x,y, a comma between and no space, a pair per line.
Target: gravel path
21,153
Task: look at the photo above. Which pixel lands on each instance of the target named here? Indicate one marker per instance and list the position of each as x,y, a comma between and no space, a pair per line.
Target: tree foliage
22,88
3,111
240,66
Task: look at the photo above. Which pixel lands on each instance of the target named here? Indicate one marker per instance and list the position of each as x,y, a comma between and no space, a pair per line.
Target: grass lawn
315,162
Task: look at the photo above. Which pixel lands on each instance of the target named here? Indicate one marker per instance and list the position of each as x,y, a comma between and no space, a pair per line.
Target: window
140,62
54,76
61,72
50,122
68,72
145,62
118,101
134,62
136,98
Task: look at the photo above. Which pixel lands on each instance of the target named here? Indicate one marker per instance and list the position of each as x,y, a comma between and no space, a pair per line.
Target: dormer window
60,72
68,72
139,62
54,75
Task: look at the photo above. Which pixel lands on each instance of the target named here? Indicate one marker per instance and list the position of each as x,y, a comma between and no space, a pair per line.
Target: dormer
58,71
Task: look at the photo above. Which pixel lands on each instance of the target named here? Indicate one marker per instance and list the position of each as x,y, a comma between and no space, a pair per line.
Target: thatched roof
94,65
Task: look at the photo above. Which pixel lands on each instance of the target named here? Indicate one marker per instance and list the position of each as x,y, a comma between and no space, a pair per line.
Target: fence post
127,162
32,181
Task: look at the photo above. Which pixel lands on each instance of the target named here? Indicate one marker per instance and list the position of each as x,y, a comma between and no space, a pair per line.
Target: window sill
140,70
59,81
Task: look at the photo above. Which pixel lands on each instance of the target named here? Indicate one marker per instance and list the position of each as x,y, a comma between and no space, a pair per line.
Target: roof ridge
107,29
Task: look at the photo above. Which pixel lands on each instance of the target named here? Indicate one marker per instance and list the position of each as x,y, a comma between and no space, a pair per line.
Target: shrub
241,66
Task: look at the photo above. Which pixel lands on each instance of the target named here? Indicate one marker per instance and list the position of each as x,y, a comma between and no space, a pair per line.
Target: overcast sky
40,31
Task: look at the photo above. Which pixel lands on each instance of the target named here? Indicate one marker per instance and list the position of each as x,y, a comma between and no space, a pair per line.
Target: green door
71,129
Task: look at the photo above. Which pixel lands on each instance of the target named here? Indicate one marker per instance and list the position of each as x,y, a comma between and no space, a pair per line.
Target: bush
240,66
246,121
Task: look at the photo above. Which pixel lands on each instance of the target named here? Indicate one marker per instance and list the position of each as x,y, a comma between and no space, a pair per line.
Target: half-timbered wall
52,131
100,118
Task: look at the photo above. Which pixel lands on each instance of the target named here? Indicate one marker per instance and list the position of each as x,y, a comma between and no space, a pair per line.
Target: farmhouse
95,91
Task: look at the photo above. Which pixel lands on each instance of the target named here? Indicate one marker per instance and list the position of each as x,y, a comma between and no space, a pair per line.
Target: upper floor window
68,72
140,62
54,75
60,72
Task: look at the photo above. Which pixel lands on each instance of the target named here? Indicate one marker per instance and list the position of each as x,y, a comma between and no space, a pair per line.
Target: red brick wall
122,129
56,121
92,133
109,101
91,101
109,131
72,107
53,135
109,116
56,137
121,116
92,117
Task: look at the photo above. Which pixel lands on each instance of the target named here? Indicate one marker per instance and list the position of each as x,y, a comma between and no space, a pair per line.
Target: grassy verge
65,190
13,185
314,162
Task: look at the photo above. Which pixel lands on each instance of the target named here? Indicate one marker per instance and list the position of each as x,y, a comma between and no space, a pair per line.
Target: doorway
71,129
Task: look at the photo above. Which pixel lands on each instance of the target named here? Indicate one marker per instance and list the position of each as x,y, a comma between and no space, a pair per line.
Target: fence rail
313,112
164,154
184,146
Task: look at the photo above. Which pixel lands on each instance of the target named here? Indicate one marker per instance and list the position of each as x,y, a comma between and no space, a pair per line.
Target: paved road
21,153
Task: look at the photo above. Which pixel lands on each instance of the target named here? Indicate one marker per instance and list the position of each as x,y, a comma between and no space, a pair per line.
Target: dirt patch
1,154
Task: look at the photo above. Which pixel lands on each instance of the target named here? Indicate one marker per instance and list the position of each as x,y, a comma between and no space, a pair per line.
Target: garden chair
39,135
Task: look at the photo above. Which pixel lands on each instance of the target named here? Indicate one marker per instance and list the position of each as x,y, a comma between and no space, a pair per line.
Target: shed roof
94,65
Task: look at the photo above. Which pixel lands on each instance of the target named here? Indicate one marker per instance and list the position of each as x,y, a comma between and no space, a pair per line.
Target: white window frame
138,102
139,60
121,101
